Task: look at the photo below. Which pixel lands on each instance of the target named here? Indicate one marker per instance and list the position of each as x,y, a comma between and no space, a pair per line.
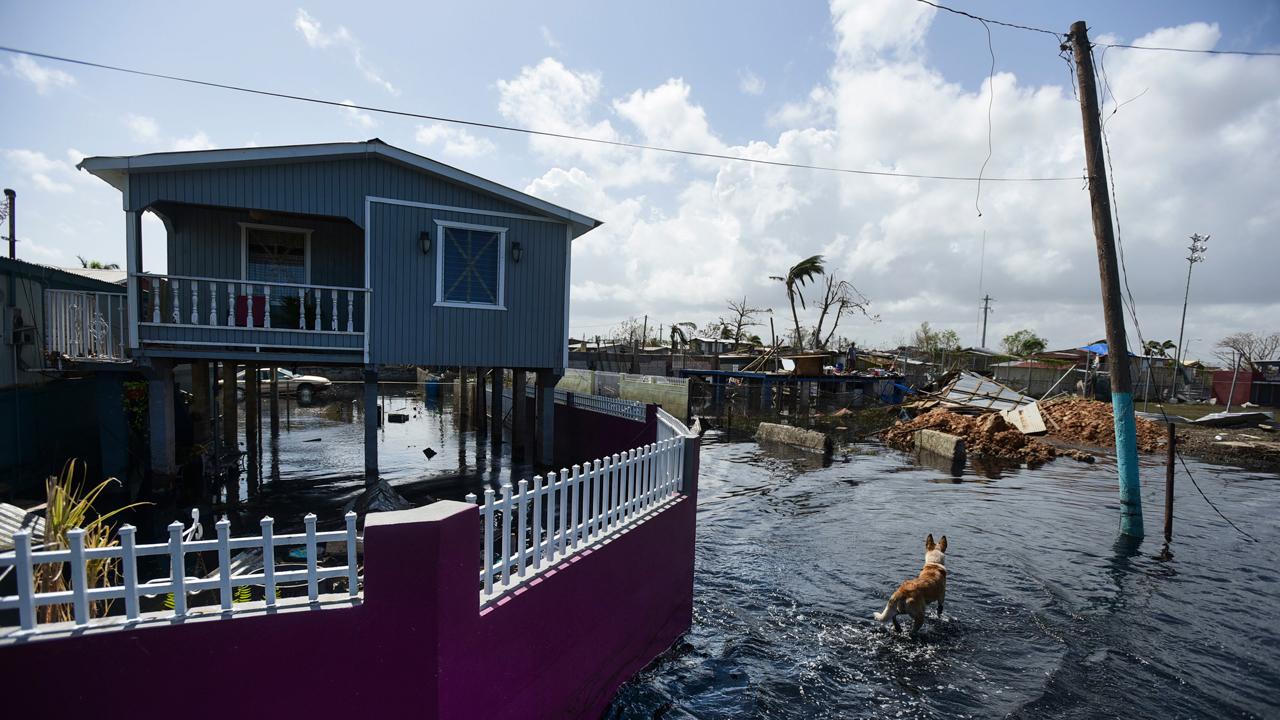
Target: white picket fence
24,561
559,514
629,409
670,427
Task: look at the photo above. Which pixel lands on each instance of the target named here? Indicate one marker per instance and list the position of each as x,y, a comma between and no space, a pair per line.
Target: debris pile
987,436
1091,422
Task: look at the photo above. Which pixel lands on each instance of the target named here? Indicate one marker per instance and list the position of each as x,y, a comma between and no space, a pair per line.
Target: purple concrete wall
583,435
558,647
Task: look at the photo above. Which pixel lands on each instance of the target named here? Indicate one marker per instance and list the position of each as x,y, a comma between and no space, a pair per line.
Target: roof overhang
115,170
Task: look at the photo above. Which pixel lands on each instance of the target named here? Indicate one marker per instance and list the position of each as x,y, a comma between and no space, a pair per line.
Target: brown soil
988,437
1090,422
1248,448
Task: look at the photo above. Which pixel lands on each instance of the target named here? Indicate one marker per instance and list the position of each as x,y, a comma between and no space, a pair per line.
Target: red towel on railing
259,309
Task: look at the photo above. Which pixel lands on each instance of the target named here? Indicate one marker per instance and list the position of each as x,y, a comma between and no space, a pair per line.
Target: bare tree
839,298
741,316
1248,347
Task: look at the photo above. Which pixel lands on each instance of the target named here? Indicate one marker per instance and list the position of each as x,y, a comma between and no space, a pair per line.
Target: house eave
114,170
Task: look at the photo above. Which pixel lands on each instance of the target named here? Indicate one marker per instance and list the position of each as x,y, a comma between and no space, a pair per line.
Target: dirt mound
1091,422
987,436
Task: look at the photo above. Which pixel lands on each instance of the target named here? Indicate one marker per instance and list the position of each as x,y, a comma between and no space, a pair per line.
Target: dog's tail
888,607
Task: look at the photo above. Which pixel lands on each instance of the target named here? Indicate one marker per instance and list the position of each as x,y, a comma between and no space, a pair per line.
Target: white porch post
133,262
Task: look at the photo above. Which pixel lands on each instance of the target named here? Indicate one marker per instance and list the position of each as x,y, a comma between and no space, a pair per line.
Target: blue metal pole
1127,462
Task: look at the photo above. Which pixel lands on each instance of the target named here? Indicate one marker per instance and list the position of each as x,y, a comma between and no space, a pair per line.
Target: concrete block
797,437
940,443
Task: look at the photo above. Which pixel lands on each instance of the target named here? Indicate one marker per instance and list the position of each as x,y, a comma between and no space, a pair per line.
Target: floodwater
1047,615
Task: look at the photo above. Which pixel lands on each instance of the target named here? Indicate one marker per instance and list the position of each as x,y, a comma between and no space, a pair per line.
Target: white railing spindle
351,312
333,319
173,285
213,303
156,294
266,309
302,309
195,303
231,304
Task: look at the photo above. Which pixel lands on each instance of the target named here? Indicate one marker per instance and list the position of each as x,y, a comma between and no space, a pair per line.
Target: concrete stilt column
252,417
495,410
478,404
160,410
545,428
370,425
201,405
802,387
275,402
460,398
519,414
230,421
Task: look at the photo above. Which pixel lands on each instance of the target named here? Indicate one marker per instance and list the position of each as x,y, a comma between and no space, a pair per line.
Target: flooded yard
1047,615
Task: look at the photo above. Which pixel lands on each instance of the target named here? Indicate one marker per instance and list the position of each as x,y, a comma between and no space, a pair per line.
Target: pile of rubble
1091,422
986,436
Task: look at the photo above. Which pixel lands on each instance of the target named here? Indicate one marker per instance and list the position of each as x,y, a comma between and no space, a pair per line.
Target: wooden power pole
1109,271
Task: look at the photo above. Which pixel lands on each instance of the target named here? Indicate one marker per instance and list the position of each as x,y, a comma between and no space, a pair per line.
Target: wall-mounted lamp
424,239
516,251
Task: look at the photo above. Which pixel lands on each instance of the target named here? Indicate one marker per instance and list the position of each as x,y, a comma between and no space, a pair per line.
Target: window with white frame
470,265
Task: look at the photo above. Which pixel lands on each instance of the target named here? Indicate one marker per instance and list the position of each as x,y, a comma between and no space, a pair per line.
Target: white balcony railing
81,325
184,300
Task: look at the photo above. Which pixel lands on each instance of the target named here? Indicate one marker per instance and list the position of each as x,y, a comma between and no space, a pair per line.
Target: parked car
304,386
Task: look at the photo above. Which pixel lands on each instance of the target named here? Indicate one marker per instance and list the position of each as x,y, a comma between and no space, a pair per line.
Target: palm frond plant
69,506
795,279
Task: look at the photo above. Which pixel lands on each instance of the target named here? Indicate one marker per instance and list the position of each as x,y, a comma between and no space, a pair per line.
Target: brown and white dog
912,596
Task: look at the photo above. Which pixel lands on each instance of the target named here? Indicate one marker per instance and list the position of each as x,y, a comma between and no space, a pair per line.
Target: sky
864,84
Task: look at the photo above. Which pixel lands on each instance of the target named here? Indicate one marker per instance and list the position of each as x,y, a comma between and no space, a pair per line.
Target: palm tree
799,274
97,264
1155,348
679,338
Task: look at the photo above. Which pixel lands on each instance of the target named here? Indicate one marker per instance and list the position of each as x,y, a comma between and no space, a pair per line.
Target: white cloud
683,235
316,37
196,141
453,141
43,172
750,83
359,118
144,129
43,77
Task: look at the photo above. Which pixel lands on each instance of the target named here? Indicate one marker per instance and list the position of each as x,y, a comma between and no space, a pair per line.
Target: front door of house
278,255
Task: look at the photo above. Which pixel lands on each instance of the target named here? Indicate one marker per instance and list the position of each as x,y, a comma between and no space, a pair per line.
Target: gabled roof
114,169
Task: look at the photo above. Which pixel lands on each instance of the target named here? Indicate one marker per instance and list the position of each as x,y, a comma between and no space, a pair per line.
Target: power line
1191,50
1015,26
526,131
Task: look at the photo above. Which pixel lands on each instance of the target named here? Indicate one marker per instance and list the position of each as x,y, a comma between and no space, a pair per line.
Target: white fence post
521,528
537,523
129,568
79,577
268,561
353,580
177,570
506,535
224,562
488,541
313,590
562,536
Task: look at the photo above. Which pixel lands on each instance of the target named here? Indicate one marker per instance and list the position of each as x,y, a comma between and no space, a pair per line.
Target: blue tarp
1099,349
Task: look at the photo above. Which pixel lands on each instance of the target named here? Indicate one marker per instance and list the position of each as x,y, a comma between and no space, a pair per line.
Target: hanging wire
991,99
1191,477
525,131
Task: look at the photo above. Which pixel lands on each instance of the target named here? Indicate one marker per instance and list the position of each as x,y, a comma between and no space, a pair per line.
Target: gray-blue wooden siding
409,328
406,327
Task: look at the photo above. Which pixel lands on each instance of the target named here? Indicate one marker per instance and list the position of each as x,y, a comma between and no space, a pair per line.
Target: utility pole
10,200
1196,254
986,308
1109,275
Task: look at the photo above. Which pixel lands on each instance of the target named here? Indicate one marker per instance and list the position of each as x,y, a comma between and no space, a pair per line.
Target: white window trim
502,265
244,246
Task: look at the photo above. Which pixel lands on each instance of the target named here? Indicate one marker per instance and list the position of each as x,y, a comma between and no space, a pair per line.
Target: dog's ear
928,542
943,544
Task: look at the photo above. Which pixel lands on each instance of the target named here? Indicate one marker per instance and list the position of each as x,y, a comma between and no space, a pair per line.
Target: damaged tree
839,298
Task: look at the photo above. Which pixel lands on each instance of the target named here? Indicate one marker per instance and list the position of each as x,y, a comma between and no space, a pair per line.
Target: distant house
358,254
709,346
47,416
